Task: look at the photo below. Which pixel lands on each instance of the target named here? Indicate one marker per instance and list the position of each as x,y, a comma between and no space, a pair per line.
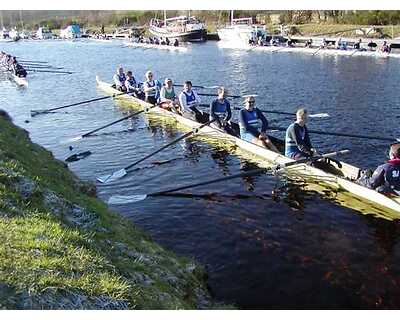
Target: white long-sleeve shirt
118,82
183,103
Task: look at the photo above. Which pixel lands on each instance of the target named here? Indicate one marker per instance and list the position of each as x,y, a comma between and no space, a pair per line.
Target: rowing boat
155,46
316,51
348,193
20,81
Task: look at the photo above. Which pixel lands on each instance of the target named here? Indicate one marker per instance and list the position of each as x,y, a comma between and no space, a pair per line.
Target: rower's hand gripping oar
87,134
139,197
123,172
37,112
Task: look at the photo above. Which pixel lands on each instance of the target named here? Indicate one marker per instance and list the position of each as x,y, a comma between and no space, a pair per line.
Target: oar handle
194,131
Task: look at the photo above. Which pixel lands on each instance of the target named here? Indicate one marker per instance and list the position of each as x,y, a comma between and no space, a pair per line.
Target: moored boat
241,33
348,193
183,28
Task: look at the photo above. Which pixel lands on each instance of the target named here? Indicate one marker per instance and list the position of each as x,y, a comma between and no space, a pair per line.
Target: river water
293,249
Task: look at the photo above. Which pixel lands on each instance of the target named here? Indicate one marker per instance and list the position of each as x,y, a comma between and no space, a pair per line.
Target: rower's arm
296,135
228,111
182,101
307,139
378,178
263,120
197,97
116,80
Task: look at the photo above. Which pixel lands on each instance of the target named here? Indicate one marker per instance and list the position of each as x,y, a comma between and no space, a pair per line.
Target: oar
215,95
37,112
32,61
199,87
50,71
341,134
355,51
123,172
316,51
139,197
43,67
87,134
315,115
273,51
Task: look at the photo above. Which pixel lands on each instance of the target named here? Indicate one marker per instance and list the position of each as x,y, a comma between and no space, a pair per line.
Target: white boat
348,193
44,33
240,33
71,32
155,46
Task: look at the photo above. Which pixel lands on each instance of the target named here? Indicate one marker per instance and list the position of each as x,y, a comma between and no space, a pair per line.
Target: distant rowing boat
22,82
312,51
348,193
155,46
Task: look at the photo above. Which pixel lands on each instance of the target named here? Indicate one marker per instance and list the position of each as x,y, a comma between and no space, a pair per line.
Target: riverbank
61,248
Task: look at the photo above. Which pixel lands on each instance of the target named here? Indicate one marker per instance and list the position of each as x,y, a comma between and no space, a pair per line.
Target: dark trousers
151,100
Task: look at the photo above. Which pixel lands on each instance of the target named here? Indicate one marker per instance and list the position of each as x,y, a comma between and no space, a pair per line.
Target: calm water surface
291,250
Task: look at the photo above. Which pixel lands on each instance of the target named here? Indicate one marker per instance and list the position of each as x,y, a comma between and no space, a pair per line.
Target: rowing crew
11,64
253,126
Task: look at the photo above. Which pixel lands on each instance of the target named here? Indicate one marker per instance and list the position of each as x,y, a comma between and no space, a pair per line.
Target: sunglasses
251,102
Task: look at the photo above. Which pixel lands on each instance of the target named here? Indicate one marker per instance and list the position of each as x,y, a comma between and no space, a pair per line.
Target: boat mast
20,19
165,18
231,17
1,20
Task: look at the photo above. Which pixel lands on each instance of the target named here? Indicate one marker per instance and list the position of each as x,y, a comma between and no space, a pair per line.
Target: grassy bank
62,248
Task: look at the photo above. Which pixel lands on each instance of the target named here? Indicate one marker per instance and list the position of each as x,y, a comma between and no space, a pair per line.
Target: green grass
42,250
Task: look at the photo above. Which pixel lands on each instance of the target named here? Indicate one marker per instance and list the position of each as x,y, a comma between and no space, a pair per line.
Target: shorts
246,136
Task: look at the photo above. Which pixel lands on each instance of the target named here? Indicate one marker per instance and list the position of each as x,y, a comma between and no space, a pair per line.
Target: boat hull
155,46
190,36
372,202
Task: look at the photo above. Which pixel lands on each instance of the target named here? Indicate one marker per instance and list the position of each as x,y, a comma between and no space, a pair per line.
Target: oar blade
118,200
70,140
320,115
37,112
112,177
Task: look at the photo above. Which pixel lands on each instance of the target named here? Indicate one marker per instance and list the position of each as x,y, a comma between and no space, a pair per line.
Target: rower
253,125
357,45
297,141
176,43
119,79
385,47
167,41
189,101
220,110
132,86
151,88
324,44
18,70
168,97
386,178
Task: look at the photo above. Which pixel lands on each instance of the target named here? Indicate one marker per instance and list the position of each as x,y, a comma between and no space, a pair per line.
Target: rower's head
187,86
249,102
302,116
221,91
168,82
149,75
120,70
394,152
129,75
